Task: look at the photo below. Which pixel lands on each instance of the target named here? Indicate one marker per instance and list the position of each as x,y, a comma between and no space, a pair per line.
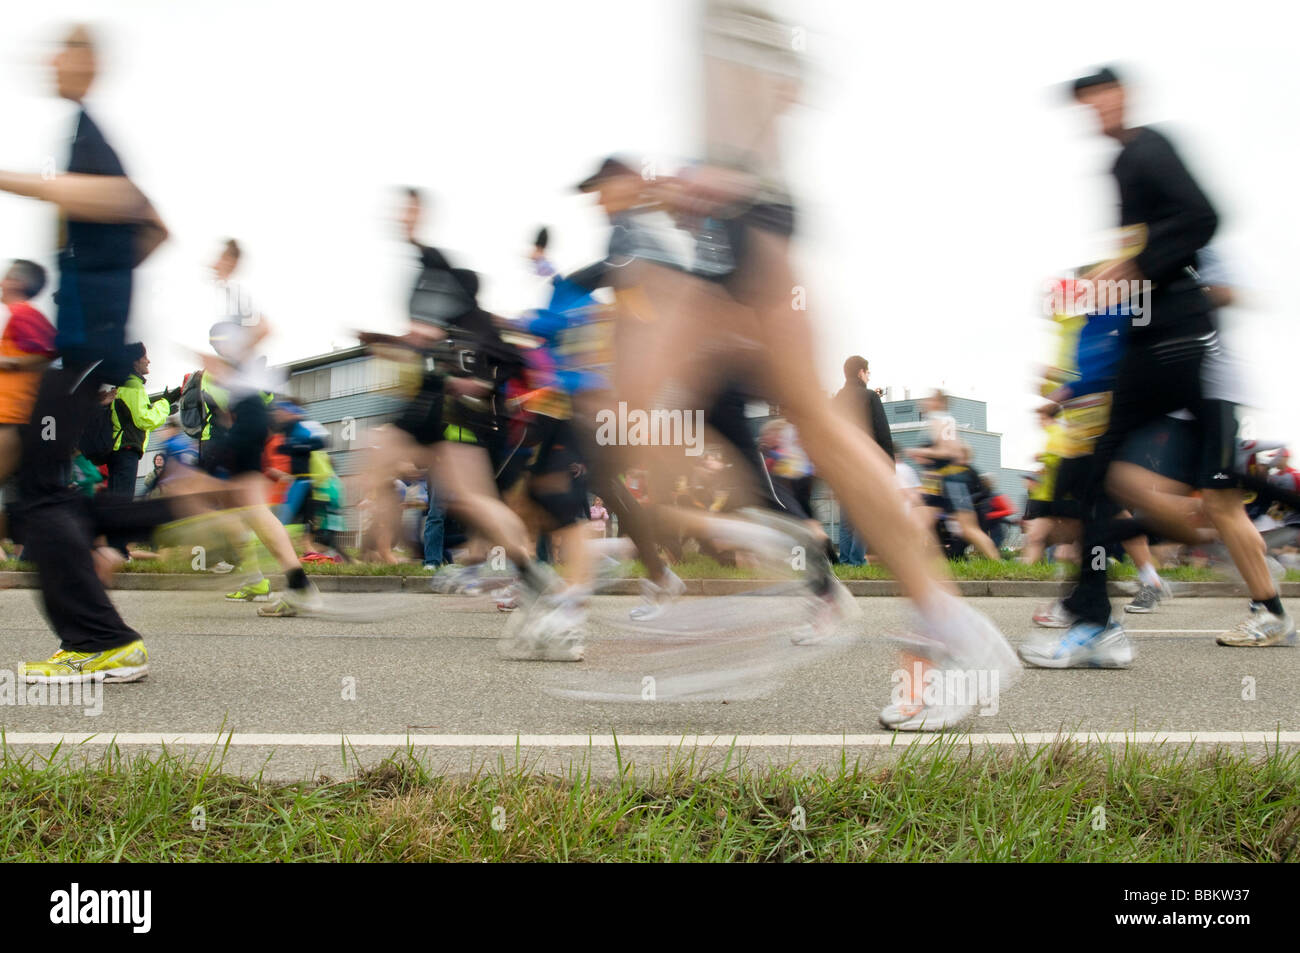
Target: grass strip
947,801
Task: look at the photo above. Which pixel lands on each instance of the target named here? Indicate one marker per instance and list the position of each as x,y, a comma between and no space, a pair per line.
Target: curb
1002,588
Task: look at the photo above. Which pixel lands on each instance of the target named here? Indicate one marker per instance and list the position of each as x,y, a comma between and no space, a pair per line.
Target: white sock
1147,573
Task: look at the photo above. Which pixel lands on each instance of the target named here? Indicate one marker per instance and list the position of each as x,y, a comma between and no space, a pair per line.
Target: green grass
699,567
949,803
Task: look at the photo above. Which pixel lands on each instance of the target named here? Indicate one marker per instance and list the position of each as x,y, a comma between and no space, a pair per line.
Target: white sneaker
1261,628
1085,645
833,607
550,631
964,645
453,579
924,717
658,596
1054,616
507,599
222,568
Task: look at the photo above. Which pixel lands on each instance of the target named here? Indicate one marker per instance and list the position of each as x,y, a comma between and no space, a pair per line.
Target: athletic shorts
1166,447
421,417
239,449
1038,509
1072,477
558,457
1159,378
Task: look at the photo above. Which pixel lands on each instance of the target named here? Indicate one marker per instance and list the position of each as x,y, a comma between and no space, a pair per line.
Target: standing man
1166,220
134,417
860,404
107,228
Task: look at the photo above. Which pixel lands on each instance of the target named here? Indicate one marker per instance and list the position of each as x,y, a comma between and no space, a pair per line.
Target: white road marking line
642,741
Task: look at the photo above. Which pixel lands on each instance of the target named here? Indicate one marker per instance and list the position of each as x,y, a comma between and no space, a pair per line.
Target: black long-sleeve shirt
868,412
1158,192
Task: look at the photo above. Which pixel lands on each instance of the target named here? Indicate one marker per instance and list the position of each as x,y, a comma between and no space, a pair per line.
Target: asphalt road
426,666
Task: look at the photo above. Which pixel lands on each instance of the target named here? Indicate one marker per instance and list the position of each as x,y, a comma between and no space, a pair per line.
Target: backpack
193,413
96,442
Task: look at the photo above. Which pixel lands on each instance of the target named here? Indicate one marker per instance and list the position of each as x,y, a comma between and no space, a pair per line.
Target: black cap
608,169
1101,77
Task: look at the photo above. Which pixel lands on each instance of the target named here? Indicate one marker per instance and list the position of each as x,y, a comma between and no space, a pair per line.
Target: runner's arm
90,198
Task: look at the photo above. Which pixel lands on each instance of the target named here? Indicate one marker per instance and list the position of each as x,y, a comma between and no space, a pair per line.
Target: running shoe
968,649
126,663
259,591
1146,600
1054,616
829,609
1261,628
222,568
295,602
549,631
924,717
658,597
451,580
507,599
1085,645
911,713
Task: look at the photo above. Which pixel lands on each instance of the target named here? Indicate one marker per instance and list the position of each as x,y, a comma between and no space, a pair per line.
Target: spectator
599,517
435,532
862,405
133,417
153,482
26,347
998,513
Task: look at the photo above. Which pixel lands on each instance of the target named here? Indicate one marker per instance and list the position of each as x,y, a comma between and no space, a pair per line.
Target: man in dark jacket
862,405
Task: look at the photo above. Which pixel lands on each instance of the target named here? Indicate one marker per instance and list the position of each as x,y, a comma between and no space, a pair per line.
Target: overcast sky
939,175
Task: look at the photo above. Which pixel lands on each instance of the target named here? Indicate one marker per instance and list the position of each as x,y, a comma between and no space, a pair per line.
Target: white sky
939,175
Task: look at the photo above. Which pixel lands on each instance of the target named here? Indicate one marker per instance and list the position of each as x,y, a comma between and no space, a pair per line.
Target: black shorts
238,450
1157,379
421,417
559,485
1167,447
1073,475
1039,509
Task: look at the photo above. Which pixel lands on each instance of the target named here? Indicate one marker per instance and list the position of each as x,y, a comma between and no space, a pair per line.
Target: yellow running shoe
259,591
295,603
126,663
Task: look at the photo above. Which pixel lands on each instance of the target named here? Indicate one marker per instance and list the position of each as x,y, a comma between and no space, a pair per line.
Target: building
908,429
907,425
349,392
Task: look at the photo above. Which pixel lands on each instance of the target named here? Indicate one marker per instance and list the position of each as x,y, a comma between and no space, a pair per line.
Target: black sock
297,578
1273,604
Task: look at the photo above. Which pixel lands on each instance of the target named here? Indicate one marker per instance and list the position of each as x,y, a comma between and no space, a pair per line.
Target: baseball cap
1100,77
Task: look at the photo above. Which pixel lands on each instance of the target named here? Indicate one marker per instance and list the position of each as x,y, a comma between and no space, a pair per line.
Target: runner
107,228
741,215
1168,219
452,420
